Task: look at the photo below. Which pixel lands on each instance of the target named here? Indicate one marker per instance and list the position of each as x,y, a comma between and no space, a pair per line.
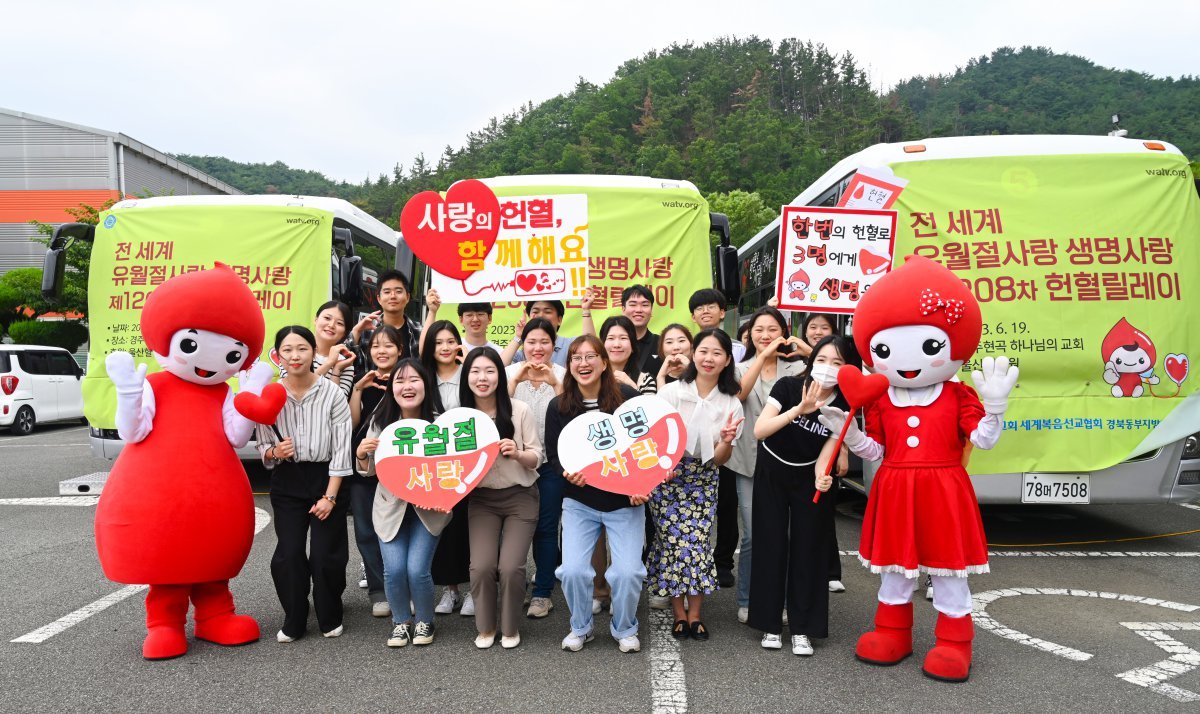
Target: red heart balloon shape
1177,367
436,465
630,452
452,235
526,281
861,389
261,408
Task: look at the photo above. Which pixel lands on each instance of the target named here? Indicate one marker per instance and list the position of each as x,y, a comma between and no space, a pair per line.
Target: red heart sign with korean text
452,235
261,408
436,465
1177,367
629,452
860,389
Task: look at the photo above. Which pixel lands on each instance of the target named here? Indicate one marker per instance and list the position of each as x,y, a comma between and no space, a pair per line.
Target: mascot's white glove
861,444
128,376
254,379
994,383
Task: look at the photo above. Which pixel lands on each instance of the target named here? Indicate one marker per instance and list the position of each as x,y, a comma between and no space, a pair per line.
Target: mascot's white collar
921,397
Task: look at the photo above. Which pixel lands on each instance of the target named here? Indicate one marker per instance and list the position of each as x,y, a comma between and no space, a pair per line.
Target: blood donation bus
295,252
1084,254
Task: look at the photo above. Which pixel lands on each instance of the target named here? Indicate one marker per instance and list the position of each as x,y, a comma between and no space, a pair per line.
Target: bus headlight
1191,447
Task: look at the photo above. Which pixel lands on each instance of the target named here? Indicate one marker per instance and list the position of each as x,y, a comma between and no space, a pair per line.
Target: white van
38,384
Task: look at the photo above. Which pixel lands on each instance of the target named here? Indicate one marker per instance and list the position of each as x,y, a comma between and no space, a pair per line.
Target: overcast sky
350,88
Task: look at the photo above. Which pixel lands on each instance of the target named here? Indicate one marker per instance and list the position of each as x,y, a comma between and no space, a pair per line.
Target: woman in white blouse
307,467
684,507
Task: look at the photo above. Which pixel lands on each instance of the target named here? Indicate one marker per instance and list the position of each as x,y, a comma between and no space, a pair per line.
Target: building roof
134,145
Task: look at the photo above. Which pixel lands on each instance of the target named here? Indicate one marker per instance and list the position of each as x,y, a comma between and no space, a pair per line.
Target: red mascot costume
177,511
916,326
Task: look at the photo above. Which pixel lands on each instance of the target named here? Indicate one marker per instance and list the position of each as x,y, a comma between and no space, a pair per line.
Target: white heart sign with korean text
629,452
436,465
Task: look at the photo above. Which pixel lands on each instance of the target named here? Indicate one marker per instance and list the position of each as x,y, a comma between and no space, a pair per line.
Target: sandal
680,631
699,631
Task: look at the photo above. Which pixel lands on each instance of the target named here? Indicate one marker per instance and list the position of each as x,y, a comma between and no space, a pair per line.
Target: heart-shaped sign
261,408
860,389
526,281
629,452
436,465
452,235
1177,367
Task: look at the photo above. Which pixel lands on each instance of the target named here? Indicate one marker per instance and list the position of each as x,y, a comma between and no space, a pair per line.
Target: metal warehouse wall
146,177
38,156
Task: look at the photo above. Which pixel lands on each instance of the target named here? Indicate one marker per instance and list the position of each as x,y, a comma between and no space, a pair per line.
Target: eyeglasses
591,357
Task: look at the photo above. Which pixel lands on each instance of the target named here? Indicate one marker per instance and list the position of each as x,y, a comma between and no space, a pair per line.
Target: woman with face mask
792,551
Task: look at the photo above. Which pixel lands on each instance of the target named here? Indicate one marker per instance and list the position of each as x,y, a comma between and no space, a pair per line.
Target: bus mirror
351,269
719,223
55,264
405,259
343,236
728,280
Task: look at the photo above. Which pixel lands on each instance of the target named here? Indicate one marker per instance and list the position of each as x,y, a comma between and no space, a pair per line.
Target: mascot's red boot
891,641
950,658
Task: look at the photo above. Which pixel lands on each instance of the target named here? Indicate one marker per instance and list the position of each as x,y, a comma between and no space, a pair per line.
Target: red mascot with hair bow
916,327
177,511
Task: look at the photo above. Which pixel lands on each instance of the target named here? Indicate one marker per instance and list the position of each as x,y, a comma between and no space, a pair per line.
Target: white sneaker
743,614
280,637
483,642
362,575
629,644
335,632
929,588
381,609
659,603
574,642
468,606
801,646
836,586
772,642
510,642
539,607
448,602
598,605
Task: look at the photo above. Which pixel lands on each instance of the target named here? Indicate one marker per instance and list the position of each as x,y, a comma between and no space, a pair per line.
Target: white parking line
667,684
1183,659
261,519
55,501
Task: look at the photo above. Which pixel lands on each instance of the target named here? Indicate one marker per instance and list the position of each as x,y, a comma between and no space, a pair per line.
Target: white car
38,384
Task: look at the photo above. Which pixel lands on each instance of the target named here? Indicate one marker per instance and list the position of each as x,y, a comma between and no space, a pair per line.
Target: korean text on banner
829,257
1076,262
282,253
541,253
872,188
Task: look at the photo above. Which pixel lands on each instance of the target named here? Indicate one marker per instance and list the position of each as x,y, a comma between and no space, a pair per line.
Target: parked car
38,384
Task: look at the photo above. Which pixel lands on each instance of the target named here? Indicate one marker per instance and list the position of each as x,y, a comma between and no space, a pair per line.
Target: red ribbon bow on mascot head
932,301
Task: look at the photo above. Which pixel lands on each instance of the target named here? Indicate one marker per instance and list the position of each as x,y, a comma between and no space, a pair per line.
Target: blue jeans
407,560
626,529
362,496
546,555
745,489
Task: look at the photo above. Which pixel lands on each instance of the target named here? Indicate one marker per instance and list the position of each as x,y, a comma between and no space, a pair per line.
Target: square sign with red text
829,257
872,188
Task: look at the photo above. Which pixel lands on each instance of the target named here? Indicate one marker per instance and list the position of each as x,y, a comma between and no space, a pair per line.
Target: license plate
1056,488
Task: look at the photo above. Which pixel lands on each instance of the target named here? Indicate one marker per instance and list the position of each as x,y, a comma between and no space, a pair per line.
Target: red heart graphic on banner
1177,367
261,408
629,452
861,389
452,235
526,281
872,263
436,465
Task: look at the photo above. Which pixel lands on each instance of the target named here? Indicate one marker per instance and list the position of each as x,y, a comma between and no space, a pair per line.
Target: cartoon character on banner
797,284
915,328
177,511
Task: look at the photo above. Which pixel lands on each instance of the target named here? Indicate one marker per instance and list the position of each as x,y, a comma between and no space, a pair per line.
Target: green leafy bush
68,334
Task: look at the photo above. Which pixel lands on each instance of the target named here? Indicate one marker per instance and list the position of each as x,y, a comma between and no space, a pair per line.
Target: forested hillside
752,122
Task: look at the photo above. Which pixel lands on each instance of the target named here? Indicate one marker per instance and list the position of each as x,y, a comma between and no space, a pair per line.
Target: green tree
79,259
747,213
23,287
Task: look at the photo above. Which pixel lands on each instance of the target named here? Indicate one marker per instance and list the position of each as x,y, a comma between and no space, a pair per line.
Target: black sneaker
424,634
401,635
725,578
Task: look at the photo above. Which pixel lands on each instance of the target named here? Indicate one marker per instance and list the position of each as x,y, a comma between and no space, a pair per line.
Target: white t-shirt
703,416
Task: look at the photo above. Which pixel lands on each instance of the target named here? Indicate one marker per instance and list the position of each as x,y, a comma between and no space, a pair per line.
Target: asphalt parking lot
1087,608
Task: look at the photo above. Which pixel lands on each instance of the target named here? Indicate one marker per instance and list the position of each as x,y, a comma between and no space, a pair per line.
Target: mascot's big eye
188,346
932,347
882,351
233,357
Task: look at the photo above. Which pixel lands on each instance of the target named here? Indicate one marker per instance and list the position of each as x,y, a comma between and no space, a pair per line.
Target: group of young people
754,448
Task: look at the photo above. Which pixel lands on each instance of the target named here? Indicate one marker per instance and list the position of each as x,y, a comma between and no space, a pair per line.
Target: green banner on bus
1093,286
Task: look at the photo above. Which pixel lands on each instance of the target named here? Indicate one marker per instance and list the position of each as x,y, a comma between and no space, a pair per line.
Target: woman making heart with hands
333,359
675,346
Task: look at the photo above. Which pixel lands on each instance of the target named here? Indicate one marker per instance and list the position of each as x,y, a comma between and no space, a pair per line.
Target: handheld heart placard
452,235
436,465
261,408
629,452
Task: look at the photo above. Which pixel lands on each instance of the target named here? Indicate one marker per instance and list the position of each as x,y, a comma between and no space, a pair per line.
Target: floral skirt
684,508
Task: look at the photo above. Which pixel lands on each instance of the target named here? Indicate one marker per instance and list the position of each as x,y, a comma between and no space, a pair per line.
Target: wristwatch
331,499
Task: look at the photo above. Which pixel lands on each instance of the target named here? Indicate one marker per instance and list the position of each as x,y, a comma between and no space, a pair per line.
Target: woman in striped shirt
333,359
307,466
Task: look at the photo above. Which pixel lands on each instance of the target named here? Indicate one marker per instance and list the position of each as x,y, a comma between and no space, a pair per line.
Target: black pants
295,487
452,559
727,520
835,556
790,559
